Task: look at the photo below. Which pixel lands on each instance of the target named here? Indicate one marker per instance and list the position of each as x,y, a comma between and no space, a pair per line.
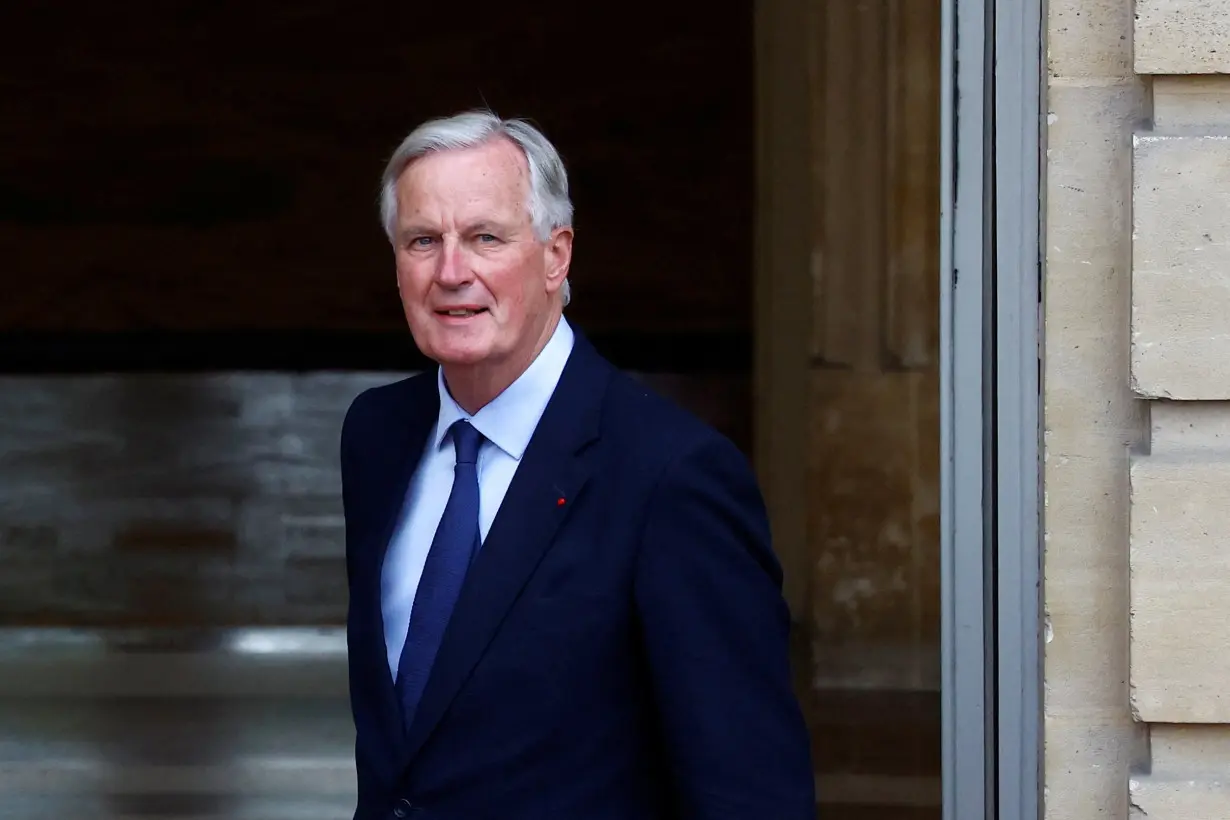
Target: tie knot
466,441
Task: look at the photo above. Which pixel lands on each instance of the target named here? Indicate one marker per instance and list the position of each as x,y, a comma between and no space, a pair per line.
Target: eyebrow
486,226
483,226
409,231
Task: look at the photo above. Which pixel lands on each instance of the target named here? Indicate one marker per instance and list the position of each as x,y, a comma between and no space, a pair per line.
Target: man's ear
559,258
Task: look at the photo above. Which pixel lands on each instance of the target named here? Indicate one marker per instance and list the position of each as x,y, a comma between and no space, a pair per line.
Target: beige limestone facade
1137,423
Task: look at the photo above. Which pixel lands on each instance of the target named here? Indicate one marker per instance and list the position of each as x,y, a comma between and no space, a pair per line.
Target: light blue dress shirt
507,424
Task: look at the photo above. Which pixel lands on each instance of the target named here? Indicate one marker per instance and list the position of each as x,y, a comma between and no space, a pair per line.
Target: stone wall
1180,368
1095,103
1137,425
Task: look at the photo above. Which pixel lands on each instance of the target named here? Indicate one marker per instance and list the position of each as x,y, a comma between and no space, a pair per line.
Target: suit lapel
413,422
555,466
409,424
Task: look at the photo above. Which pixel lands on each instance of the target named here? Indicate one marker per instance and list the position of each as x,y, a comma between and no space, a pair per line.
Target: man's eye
420,241
486,237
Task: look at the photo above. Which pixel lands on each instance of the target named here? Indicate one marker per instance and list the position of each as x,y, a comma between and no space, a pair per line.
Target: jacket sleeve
349,452
716,632
346,459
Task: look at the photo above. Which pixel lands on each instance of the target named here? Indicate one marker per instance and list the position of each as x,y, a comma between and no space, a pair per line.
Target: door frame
991,347
1020,161
991,342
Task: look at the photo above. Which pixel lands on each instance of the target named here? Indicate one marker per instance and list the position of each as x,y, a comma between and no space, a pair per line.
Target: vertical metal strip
1018,163
967,750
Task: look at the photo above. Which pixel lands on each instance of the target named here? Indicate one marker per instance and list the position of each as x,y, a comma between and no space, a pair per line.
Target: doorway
897,396
848,399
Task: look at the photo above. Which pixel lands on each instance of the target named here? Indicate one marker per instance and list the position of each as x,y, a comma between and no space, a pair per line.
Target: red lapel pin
559,502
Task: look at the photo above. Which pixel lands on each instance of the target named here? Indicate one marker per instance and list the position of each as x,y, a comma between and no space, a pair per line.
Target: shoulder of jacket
641,414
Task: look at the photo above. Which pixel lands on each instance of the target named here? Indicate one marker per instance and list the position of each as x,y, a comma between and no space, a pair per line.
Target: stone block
1086,761
1194,751
1182,37
1180,570
1187,773
1189,427
1085,38
1159,797
1180,259
1191,105
1088,270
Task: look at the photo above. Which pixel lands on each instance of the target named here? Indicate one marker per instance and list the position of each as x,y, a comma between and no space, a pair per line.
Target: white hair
549,204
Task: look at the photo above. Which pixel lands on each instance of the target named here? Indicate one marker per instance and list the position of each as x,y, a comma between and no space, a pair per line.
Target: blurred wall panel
197,500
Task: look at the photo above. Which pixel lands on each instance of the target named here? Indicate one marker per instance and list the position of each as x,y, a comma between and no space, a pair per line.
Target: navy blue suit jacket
621,655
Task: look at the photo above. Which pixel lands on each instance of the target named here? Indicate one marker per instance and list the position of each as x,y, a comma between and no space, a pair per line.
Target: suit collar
508,421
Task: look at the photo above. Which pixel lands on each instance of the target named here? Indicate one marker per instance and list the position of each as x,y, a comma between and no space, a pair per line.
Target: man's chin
454,348
460,355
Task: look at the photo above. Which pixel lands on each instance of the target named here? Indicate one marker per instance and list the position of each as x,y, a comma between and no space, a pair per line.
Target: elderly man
563,600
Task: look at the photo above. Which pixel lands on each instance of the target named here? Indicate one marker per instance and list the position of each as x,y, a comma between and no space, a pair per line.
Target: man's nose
452,271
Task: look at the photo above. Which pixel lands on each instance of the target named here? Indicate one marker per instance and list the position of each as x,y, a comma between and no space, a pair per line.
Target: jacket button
402,809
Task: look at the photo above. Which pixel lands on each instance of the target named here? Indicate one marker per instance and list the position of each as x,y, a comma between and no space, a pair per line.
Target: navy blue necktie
453,548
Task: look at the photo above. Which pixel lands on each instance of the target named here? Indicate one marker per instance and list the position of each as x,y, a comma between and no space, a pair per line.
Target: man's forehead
497,162
467,187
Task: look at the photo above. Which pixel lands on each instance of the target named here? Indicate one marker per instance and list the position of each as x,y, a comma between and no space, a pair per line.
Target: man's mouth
461,313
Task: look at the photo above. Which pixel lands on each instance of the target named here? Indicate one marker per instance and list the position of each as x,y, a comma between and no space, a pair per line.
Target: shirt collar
508,421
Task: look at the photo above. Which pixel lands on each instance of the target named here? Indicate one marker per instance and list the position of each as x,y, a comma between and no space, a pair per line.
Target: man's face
477,287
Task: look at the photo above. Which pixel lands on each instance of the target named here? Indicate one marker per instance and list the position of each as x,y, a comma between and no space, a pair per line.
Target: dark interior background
188,185
194,284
